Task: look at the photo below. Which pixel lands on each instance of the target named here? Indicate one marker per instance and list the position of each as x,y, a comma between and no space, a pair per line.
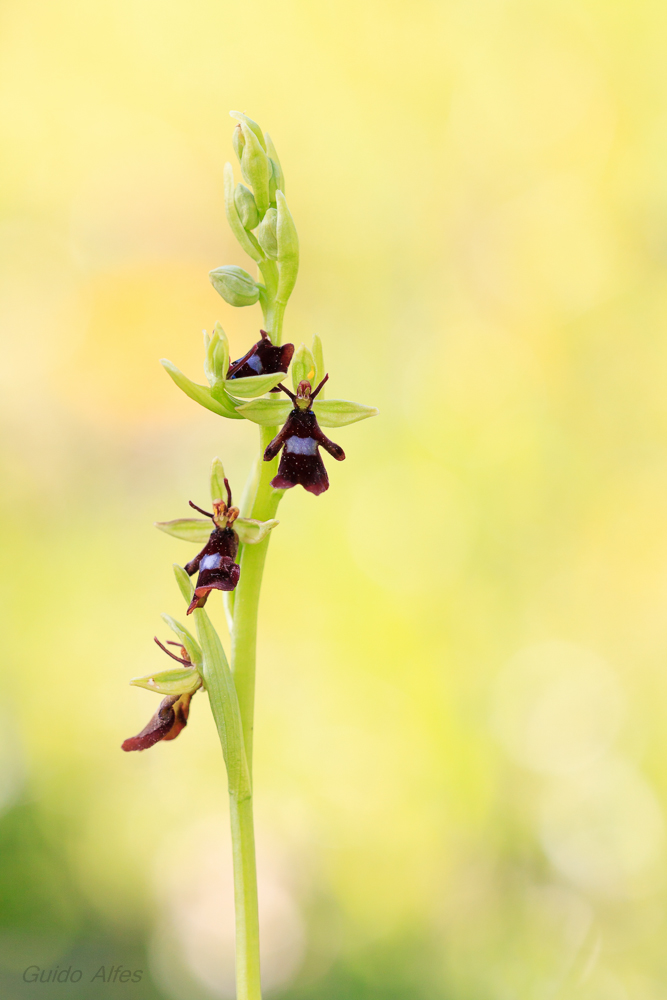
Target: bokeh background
461,762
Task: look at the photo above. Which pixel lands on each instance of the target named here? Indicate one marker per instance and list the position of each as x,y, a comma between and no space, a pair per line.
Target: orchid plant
235,539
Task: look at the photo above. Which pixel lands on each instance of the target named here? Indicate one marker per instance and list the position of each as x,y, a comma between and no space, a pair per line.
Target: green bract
235,285
288,249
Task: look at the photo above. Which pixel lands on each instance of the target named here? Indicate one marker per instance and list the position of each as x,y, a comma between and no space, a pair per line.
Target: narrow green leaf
254,385
200,393
266,412
184,680
225,706
251,531
247,240
190,529
185,637
340,412
184,583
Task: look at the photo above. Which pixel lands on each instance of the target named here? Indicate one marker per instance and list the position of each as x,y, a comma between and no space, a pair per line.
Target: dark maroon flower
300,439
262,359
216,562
166,724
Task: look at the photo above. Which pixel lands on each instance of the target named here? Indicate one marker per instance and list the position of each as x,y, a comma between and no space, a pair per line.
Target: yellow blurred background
460,742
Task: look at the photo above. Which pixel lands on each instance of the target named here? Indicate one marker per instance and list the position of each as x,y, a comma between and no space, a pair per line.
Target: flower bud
252,125
276,181
266,234
256,168
246,206
238,142
235,285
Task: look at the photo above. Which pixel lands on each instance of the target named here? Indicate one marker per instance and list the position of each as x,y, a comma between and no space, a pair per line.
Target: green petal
254,385
251,531
339,412
240,117
184,680
200,393
190,529
267,412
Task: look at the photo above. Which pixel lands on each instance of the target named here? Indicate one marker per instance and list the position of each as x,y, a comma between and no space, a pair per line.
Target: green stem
248,985
244,648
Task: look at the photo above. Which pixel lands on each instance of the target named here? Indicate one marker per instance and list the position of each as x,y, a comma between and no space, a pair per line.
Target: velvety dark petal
224,575
302,470
166,724
262,359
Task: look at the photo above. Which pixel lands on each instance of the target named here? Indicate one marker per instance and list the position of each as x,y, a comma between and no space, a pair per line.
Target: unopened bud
246,206
238,142
235,285
256,168
252,125
276,181
266,234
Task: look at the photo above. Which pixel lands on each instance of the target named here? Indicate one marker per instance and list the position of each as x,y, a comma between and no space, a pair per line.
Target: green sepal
246,206
202,394
236,286
225,706
255,385
218,488
216,358
241,118
184,583
340,412
288,249
303,367
250,531
182,680
186,639
189,529
267,412
266,234
246,240
255,168
318,357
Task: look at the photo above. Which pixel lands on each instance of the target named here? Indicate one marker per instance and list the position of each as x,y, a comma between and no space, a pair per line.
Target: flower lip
170,718
263,358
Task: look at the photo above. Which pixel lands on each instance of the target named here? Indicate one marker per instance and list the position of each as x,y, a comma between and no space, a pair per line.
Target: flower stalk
236,540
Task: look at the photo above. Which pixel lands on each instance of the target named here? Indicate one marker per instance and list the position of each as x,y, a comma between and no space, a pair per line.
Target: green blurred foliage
460,734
